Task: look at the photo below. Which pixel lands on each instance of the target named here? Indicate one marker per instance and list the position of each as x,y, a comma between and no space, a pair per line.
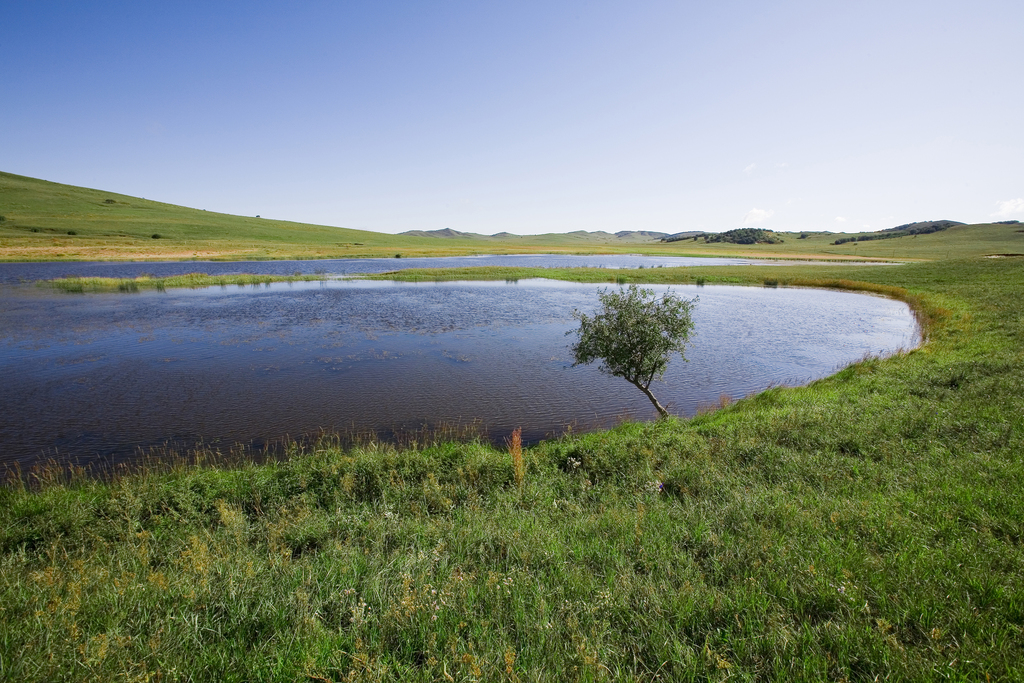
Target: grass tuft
515,449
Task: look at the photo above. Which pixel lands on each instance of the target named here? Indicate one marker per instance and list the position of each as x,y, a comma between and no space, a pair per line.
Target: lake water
96,376
15,273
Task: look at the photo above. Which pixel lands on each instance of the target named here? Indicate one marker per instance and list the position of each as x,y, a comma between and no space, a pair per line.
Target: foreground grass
865,527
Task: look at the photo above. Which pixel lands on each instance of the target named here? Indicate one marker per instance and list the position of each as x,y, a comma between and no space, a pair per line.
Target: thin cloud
1010,207
840,219
750,169
757,216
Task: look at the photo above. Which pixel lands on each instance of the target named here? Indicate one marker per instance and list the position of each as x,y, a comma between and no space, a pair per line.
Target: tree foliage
920,228
634,335
745,236
737,236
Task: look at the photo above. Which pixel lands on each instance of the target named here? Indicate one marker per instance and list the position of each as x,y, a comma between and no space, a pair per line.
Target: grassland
866,527
45,221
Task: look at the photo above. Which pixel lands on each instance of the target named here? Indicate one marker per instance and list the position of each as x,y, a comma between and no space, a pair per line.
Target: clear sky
527,116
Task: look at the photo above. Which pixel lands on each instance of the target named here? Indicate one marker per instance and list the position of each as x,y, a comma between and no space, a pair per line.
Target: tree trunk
647,392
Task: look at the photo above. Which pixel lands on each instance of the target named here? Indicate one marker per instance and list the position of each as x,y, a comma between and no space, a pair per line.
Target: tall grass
515,449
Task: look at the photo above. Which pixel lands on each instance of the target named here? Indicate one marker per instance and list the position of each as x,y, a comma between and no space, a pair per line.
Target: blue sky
525,116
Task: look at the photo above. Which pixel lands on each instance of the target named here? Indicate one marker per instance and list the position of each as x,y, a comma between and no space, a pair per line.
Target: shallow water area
94,377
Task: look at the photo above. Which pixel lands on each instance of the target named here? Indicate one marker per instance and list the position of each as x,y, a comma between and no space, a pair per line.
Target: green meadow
865,527
46,221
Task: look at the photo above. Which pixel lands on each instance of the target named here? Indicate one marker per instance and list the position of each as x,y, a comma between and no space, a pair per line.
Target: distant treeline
738,236
923,228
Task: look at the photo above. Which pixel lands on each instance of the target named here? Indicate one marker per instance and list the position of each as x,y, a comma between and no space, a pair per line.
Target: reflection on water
99,374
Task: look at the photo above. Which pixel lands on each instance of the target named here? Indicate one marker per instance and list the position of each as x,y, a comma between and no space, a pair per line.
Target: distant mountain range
648,236
621,236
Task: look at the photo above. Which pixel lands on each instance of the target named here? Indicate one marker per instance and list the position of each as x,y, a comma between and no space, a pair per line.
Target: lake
94,377
15,273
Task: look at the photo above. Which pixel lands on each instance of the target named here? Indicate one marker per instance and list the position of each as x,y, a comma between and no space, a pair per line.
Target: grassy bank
865,527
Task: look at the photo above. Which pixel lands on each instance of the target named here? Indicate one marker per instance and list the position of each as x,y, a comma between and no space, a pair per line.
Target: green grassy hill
45,221
959,241
48,221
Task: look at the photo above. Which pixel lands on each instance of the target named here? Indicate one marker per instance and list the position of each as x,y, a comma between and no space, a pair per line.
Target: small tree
634,335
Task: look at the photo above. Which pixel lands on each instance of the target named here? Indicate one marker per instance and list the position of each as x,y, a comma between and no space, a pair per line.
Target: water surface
16,273
98,375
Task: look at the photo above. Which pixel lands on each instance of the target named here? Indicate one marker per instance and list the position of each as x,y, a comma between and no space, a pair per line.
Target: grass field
866,527
45,221
39,215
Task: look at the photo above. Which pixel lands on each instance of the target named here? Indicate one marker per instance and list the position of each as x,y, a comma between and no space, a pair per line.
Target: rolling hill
47,221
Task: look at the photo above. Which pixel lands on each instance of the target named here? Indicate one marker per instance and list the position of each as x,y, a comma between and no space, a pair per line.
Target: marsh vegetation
73,284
